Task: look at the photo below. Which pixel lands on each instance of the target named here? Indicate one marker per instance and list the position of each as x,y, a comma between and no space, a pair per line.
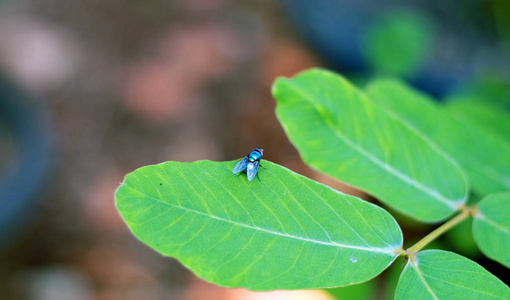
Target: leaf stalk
438,231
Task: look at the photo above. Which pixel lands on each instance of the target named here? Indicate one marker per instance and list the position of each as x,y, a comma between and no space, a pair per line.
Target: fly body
249,164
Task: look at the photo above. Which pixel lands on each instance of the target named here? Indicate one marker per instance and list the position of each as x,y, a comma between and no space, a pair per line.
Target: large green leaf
282,232
485,158
482,113
491,227
338,131
438,274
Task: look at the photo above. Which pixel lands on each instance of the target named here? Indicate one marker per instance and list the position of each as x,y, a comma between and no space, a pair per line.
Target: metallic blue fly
249,164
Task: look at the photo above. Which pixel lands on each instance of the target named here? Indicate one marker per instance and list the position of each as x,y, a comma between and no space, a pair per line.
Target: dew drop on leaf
353,259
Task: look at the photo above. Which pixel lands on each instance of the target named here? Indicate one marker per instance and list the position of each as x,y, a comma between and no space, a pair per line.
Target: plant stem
438,231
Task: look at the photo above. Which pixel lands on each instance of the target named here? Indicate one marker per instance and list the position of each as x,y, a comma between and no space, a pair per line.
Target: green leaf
282,232
398,43
485,115
485,158
437,274
338,131
491,227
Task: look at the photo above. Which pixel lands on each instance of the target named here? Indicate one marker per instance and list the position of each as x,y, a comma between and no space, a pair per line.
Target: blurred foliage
398,43
362,291
477,111
502,18
492,88
391,275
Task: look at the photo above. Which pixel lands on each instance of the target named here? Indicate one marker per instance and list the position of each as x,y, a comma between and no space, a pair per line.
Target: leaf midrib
383,250
482,218
422,278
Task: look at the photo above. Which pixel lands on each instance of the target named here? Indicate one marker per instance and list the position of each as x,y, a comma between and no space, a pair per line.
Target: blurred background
91,90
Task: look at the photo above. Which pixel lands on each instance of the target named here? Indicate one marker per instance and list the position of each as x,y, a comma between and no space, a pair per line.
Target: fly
249,164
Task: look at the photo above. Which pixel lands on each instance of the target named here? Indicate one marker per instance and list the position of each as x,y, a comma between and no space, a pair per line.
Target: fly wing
241,165
252,169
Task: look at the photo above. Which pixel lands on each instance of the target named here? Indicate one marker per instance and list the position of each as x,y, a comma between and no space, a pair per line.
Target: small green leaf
282,232
338,131
491,227
485,159
491,118
437,274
